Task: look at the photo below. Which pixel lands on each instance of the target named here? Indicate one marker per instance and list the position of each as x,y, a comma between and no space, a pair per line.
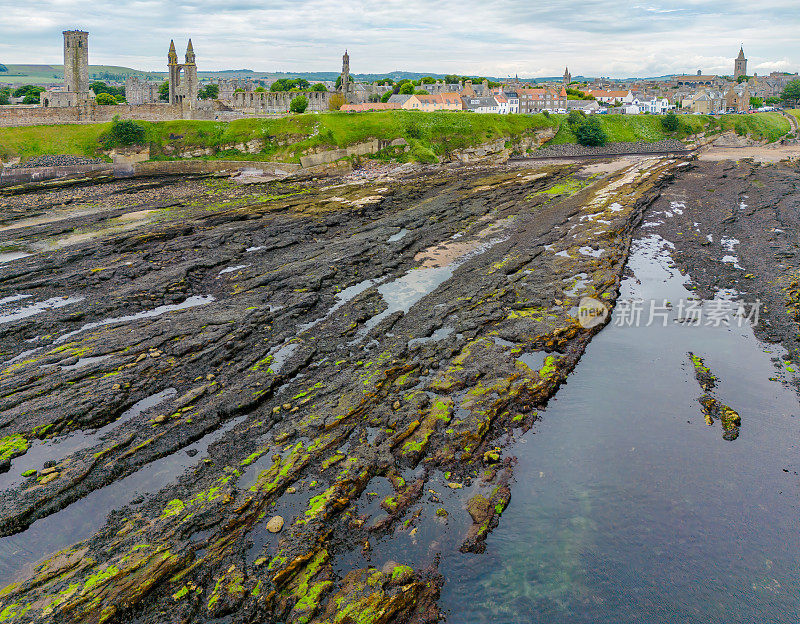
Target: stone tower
174,73
190,75
76,61
740,65
567,77
183,84
345,87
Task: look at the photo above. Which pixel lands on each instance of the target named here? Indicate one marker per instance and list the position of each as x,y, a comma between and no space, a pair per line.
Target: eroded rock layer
288,397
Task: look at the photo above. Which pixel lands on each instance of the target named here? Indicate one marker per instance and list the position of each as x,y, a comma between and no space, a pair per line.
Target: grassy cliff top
430,135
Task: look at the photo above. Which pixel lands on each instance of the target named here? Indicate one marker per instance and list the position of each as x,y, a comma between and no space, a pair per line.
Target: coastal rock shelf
347,356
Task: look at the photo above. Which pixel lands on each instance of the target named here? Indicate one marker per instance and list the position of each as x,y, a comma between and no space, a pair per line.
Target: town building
430,103
480,104
542,99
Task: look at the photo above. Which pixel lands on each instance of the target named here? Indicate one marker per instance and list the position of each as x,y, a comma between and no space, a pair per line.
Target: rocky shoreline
281,402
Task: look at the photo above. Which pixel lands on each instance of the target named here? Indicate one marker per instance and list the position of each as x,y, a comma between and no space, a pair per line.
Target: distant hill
54,74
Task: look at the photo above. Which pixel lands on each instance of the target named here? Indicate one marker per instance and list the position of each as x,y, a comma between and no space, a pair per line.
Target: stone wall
139,91
93,113
10,177
260,102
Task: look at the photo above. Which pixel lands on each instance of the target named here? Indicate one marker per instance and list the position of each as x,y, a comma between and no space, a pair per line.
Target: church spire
190,54
172,57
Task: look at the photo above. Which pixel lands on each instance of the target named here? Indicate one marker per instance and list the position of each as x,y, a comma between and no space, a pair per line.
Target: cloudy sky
488,37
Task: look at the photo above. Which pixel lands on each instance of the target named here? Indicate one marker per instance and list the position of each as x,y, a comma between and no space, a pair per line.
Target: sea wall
123,169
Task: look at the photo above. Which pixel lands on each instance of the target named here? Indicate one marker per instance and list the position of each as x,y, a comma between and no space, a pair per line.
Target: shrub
670,122
105,99
31,99
319,87
385,97
299,104
407,89
163,91
124,133
575,119
591,133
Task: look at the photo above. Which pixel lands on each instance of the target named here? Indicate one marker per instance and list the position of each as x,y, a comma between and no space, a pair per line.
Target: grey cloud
500,37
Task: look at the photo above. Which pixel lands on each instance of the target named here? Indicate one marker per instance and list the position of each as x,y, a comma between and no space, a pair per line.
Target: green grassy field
631,128
430,135
760,126
29,141
795,112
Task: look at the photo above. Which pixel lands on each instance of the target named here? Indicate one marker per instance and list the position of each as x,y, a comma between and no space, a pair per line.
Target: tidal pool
626,507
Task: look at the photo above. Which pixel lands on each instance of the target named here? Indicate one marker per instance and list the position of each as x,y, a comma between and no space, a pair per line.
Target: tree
163,91
299,104
670,122
4,94
407,89
385,97
301,83
756,102
420,92
319,87
3,68
105,99
338,82
260,90
591,133
428,80
791,93
29,90
773,101
374,98
283,84
210,92
336,102
742,79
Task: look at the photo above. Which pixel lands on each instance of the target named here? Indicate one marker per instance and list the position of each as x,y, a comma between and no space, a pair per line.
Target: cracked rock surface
184,360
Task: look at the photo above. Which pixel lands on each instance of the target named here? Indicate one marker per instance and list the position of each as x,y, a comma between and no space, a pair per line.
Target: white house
478,104
655,106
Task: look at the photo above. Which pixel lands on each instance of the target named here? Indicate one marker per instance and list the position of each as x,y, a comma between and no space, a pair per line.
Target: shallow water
627,507
20,553
10,315
189,302
58,448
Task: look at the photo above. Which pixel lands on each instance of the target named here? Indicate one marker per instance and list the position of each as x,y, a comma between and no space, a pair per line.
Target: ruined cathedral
183,84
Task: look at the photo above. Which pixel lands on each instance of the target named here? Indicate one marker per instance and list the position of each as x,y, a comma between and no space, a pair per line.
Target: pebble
56,160
275,524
